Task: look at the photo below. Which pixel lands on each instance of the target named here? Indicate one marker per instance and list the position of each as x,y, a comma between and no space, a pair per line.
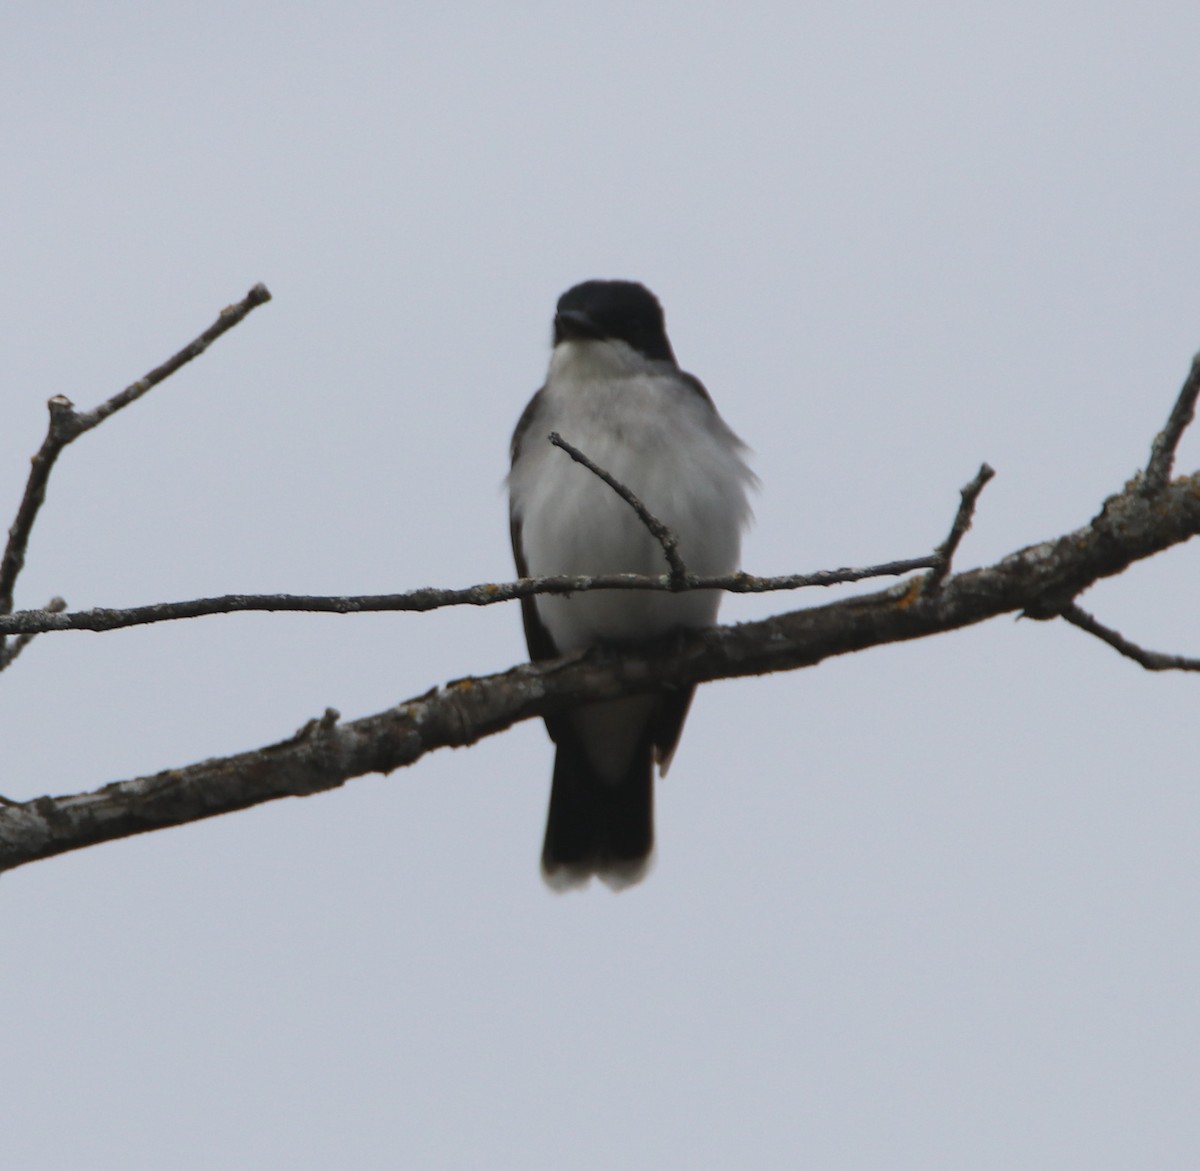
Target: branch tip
1150,660
944,553
1162,450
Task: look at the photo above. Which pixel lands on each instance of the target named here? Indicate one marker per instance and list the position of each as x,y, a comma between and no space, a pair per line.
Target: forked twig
9,653
67,424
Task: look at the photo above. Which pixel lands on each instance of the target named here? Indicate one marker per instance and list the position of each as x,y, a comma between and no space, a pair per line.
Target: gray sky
932,906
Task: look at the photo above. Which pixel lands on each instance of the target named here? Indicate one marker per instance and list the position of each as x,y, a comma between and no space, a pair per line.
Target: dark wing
668,723
537,638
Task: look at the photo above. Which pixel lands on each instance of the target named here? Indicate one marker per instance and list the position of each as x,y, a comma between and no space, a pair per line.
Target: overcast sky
931,906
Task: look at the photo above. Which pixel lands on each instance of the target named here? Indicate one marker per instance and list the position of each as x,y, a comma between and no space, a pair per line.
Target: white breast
658,435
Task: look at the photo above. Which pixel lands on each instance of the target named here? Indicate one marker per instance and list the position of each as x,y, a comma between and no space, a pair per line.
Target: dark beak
574,323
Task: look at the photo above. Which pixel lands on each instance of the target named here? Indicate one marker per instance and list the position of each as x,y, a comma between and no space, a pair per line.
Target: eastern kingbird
614,391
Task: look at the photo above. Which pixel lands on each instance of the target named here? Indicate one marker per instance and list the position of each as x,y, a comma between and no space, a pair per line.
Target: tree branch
9,653
1151,514
1162,451
29,622
944,553
325,754
1151,660
67,424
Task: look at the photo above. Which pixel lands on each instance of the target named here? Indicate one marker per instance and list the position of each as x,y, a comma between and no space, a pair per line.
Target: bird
615,391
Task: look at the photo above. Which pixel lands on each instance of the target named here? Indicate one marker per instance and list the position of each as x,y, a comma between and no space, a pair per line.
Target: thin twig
661,533
58,435
67,424
230,316
1162,450
1151,660
421,600
9,653
944,553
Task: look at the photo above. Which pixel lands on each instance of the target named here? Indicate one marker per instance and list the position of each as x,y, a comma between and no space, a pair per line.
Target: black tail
598,827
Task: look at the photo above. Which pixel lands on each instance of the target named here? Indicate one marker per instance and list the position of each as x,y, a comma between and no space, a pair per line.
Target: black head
614,311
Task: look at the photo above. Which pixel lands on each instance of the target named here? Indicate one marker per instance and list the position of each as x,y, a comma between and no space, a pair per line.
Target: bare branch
67,424
325,754
1151,660
944,553
8,654
60,432
230,316
661,533
28,622
1162,451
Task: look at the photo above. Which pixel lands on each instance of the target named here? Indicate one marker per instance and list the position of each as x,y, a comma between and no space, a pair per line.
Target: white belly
661,439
